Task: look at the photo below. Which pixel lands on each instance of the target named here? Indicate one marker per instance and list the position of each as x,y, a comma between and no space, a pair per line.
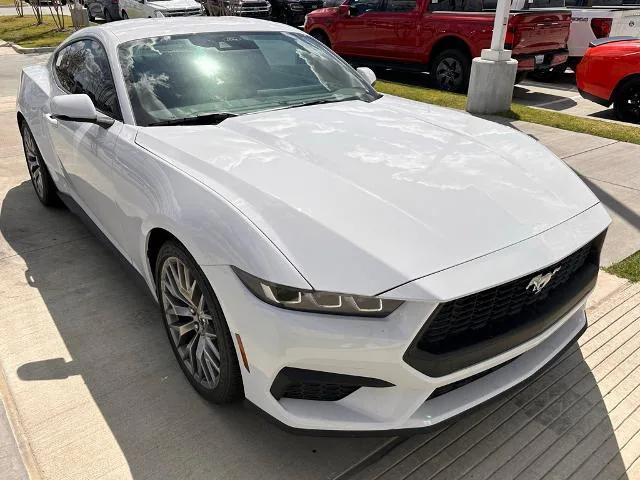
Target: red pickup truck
441,37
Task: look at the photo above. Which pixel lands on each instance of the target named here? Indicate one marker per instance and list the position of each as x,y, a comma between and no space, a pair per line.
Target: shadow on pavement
112,331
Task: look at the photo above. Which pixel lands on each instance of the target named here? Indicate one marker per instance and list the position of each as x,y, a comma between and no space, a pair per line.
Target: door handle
53,121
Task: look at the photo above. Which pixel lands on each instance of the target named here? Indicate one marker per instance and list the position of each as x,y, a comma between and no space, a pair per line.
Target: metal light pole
493,74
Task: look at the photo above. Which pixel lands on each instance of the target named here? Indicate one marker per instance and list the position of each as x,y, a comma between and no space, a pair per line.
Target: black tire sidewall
464,61
49,196
229,388
624,93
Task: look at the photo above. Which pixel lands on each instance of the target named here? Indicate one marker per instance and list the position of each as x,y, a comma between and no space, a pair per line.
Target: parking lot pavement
96,392
561,96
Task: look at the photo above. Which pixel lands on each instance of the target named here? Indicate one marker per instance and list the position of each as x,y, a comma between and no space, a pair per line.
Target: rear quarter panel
604,67
33,103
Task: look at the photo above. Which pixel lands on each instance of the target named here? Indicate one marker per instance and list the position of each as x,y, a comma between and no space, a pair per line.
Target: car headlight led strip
314,301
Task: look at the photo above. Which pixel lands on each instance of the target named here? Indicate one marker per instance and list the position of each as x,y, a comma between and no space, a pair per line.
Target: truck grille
183,13
479,326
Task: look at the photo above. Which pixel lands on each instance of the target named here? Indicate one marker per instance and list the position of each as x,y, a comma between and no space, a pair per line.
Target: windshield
197,75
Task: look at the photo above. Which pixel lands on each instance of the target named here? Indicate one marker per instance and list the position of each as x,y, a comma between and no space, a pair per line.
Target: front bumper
275,339
529,63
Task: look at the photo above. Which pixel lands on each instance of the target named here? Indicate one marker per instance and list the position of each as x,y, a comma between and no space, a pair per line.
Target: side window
83,67
358,7
400,5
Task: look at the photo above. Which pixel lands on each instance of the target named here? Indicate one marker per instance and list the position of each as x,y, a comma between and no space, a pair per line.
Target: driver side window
358,7
83,67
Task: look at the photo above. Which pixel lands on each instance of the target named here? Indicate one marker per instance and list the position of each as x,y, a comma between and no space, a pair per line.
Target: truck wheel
124,15
627,102
552,74
450,71
321,37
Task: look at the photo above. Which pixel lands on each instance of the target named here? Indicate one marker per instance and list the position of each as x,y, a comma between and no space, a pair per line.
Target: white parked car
345,260
159,8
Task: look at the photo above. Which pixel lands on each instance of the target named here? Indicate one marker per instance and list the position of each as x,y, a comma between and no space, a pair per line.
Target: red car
610,73
438,36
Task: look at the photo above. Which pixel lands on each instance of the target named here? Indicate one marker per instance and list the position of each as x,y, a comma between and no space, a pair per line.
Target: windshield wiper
320,101
213,118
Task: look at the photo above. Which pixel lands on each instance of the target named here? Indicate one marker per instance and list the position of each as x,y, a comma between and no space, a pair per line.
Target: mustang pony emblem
538,282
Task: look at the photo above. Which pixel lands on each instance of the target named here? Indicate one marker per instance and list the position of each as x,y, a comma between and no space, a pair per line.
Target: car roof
134,29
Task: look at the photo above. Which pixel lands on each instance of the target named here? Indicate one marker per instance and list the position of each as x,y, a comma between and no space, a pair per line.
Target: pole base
491,85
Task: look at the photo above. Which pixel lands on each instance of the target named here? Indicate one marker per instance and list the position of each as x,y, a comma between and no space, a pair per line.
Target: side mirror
367,74
344,10
78,108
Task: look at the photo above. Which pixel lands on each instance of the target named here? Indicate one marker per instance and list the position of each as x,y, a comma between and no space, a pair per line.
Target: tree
19,7
57,13
36,6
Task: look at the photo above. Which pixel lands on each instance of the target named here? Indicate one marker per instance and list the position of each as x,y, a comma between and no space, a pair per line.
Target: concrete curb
20,49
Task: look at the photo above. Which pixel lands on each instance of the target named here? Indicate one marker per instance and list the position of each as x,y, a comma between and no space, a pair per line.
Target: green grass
25,32
5,3
628,268
611,130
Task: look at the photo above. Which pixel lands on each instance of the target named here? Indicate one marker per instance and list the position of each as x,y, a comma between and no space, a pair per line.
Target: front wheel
196,326
40,177
627,102
450,71
321,37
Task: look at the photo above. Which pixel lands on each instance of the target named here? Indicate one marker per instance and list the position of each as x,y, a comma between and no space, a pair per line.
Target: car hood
362,197
174,4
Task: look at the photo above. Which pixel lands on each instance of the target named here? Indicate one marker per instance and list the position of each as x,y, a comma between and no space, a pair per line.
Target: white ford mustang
345,260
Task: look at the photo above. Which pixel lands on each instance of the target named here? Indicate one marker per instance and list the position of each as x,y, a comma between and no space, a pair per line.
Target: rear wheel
450,71
196,326
627,102
124,15
40,178
107,16
520,77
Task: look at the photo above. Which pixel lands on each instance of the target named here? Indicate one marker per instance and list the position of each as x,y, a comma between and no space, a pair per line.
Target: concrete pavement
94,391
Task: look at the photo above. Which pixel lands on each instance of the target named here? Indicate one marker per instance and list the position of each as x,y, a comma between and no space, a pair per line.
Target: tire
520,77
40,178
124,15
550,75
450,71
107,16
91,17
200,330
321,37
626,104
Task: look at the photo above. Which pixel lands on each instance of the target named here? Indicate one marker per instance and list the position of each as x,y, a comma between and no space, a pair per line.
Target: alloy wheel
449,74
190,322
33,162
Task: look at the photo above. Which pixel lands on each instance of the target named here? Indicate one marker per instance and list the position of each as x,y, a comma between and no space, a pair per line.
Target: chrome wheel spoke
191,325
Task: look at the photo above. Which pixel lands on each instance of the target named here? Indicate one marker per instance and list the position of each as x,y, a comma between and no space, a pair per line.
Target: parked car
292,12
590,20
159,8
347,261
437,36
610,74
109,10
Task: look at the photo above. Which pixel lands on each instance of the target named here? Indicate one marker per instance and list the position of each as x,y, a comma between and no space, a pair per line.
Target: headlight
314,301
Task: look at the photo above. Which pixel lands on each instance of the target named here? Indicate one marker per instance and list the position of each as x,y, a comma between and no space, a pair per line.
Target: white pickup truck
158,8
590,20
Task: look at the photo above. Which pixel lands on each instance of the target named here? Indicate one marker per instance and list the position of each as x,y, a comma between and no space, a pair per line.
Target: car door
354,35
85,150
396,30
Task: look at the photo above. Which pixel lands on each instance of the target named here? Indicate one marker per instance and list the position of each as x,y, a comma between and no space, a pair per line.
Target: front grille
477,327
487,314
183,13
326,392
